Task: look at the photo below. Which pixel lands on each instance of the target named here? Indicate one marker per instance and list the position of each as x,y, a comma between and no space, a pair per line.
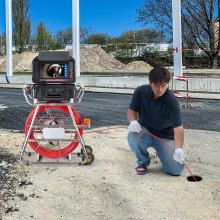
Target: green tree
2,43
142,36
100,39
125,44
199,18
43,37
21,23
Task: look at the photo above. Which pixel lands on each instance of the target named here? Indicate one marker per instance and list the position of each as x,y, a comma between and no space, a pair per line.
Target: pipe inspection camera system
54,128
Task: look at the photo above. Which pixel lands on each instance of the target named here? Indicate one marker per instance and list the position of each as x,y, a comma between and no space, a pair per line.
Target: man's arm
132,115
179,136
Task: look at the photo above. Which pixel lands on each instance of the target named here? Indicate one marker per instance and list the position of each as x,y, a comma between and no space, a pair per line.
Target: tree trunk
214,62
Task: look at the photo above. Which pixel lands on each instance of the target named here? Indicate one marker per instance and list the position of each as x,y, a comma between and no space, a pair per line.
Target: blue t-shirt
160,115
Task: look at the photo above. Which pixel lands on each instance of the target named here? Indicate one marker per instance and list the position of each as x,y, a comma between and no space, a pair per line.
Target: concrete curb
195,84
215,96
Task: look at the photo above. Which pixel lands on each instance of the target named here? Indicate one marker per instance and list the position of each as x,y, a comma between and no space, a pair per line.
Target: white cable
80,93
26,95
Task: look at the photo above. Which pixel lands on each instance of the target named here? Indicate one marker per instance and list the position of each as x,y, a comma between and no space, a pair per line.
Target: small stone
25,198
10,209
21,195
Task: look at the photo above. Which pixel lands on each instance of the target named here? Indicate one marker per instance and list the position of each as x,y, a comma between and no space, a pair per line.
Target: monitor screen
54,71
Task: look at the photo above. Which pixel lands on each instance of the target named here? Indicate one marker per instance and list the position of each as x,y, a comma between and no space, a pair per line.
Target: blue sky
101,16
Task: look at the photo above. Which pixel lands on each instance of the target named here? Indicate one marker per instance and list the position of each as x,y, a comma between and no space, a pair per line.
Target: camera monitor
55,70
53,67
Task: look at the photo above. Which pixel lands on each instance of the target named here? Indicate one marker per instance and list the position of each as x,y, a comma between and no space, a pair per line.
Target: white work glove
134,127
179,155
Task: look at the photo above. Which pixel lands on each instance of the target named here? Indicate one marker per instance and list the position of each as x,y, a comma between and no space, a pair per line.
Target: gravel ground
111,189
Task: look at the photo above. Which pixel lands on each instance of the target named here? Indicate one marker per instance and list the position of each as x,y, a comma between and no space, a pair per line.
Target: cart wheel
53,115
88,150
90,158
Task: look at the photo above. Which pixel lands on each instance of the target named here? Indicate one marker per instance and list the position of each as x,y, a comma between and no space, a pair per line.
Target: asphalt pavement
106,109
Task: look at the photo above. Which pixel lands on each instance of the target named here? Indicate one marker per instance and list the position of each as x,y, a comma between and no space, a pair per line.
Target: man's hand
134,126
179,155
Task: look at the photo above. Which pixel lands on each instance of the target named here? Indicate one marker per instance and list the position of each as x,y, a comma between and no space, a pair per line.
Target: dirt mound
2,59
2,64
138,66
21,62
96,59
91,59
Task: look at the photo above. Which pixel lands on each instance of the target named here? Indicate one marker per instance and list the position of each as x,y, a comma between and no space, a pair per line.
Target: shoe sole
142,172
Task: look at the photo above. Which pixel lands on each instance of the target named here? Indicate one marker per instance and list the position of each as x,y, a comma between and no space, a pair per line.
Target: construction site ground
110,188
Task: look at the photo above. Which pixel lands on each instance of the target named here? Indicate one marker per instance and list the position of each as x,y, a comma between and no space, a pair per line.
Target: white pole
177,38
75,35
8,4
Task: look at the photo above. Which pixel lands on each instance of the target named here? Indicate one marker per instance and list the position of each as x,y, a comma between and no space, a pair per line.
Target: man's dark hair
159,75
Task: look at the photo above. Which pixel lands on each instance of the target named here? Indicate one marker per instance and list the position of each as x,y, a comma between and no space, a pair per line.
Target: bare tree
21,23
200,18
64,36
200,22
158,12
142,36
85,33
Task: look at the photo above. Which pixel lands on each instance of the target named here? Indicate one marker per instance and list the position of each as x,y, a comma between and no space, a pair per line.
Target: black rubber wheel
90,158
88,150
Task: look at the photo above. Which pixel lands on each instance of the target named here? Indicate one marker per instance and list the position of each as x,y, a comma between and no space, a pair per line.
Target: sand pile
21,62
2,60
138,66
91,59
96,59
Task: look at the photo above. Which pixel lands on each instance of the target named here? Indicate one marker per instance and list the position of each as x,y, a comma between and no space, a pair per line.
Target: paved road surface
106,109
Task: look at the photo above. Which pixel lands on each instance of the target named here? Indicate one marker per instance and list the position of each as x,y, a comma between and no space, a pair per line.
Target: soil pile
2,60
92,59
138,66
96,59
21,62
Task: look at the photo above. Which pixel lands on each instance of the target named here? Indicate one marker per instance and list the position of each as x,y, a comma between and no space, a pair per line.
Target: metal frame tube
8,8
75,36
177,37
29,132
